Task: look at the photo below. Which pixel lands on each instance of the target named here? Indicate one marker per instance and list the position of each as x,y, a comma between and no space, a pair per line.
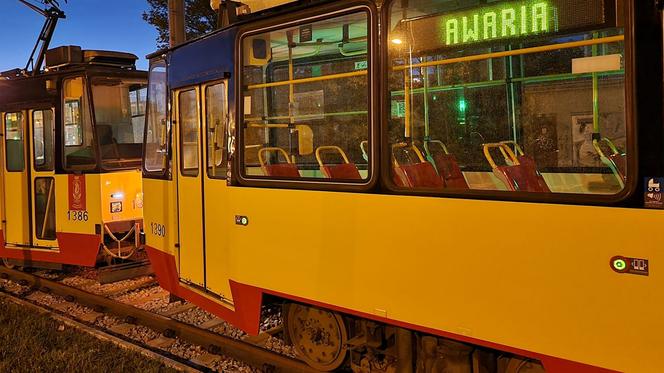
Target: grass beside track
31,342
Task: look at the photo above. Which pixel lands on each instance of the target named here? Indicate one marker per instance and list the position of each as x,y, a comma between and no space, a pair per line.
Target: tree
199,19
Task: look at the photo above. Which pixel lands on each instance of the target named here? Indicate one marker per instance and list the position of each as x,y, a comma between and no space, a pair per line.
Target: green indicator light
462,105
619,264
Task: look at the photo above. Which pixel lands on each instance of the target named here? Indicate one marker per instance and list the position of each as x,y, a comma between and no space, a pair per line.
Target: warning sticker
653,192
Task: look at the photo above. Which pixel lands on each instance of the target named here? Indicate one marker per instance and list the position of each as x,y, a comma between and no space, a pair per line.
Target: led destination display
505,20
498,22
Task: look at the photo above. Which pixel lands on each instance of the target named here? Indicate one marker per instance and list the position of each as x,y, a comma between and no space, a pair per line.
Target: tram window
157,133
119,107
306,101
189,132
45,208
43,137
215,114
14,145
73,129
79,152
507,95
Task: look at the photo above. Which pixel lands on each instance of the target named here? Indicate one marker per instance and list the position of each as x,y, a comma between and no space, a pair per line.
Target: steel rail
215,343
175,363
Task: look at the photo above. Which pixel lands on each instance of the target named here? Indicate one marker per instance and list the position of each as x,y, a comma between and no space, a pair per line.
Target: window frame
6,138
80,125
309,16
520,196
61,147
42,167
95,134
166,173
55,215
180,152
204,115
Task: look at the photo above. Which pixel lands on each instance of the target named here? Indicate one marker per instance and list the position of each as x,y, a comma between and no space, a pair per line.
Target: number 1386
77,215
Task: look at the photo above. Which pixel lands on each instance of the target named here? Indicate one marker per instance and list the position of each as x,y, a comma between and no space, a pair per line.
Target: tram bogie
71,179
455,178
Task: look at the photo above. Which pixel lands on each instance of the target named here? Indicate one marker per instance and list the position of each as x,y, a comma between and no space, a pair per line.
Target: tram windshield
507,95
119,111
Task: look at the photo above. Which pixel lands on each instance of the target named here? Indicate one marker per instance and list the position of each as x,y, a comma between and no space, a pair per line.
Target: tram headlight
118,195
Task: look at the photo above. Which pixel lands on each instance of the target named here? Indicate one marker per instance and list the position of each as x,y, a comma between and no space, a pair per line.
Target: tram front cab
71,189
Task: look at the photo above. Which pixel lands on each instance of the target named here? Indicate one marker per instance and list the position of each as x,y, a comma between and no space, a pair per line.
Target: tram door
29,183
190,187
202,122
42,177
215,204
15,177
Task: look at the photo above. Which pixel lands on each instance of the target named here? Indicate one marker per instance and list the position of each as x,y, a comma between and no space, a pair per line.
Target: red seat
449,170
281,170
344,171
422,175
524,177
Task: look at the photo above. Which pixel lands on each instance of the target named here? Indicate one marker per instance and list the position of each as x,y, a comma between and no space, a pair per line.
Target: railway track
169,328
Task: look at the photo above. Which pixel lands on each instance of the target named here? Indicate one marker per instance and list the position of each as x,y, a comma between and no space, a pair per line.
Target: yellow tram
71,187
427,186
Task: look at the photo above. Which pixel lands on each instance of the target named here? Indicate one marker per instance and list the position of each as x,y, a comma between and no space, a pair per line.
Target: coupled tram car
71,187
426,186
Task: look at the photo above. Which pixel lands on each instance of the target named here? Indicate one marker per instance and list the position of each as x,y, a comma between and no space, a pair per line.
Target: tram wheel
319,336
7,264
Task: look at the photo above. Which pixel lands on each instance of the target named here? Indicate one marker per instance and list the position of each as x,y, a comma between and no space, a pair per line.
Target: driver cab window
119,107
78,139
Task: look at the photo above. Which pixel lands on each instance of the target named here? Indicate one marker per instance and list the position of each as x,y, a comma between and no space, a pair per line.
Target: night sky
92,24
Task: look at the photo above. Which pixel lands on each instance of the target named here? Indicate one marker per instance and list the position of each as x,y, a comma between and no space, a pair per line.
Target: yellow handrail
261,151
401,145
516,52
329,148
363,145
504,149
268,125
508,154
48,207
515,144
308,80
442,145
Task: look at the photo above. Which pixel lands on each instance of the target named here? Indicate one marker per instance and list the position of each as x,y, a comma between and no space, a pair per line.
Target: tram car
72,134
425,186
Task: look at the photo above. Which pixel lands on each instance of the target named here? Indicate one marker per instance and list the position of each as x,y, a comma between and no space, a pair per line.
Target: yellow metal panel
217,254
16,208
531,276
160,215
65,220
122,189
